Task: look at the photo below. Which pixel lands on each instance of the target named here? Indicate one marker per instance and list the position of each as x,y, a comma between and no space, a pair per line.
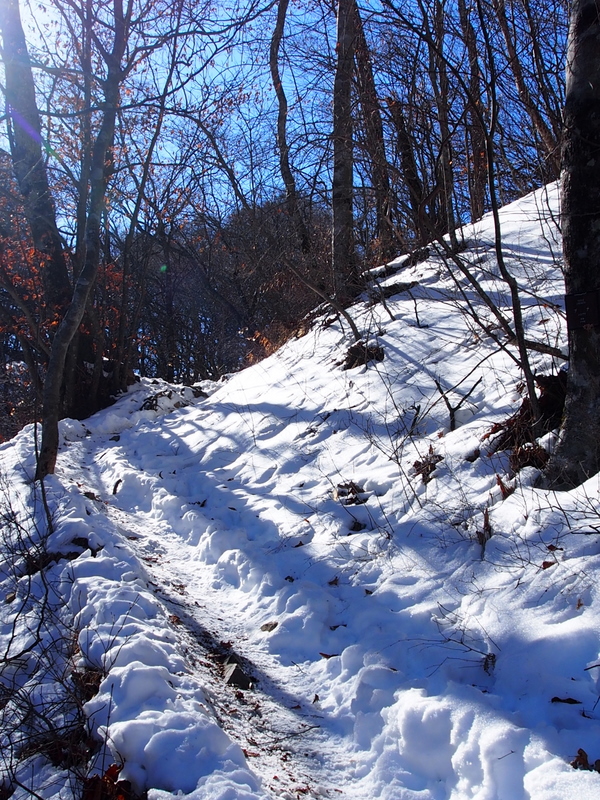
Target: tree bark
27,150
577,455
475,132
374,141
438,77
345,273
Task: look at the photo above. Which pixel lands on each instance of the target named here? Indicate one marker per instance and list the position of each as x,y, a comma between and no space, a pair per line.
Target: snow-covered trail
246,538
421,623
290,741
281,735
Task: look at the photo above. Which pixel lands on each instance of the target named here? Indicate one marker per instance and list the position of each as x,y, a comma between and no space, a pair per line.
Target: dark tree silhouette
577,455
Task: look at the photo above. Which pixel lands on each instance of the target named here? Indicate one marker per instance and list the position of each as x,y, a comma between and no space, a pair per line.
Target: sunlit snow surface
407,661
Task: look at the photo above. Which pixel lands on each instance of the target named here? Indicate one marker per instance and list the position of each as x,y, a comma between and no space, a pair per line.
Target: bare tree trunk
343,254
27,152
547,138
374,141
577,455
475,132
282,143
422,224
438,76
86,133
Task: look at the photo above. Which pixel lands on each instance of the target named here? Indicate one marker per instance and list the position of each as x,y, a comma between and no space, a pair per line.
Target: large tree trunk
27,152
577,455
343,254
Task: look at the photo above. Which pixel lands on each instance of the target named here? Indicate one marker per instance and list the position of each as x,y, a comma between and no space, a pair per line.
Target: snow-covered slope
416,621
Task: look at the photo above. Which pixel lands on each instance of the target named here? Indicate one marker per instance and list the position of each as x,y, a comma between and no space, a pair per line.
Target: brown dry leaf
581,760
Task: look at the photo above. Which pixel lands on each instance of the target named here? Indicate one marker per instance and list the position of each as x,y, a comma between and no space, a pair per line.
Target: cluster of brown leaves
517,434
425,467
581,761
108,786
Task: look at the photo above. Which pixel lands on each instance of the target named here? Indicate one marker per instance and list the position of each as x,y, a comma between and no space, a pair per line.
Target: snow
281,518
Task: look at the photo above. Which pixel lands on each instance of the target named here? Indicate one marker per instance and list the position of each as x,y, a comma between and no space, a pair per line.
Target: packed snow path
418,621
280,732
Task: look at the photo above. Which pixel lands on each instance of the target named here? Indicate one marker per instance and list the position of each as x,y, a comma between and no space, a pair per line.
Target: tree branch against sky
186,123
118,54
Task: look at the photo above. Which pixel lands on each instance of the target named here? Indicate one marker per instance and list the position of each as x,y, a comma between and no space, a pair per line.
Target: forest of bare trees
182,183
